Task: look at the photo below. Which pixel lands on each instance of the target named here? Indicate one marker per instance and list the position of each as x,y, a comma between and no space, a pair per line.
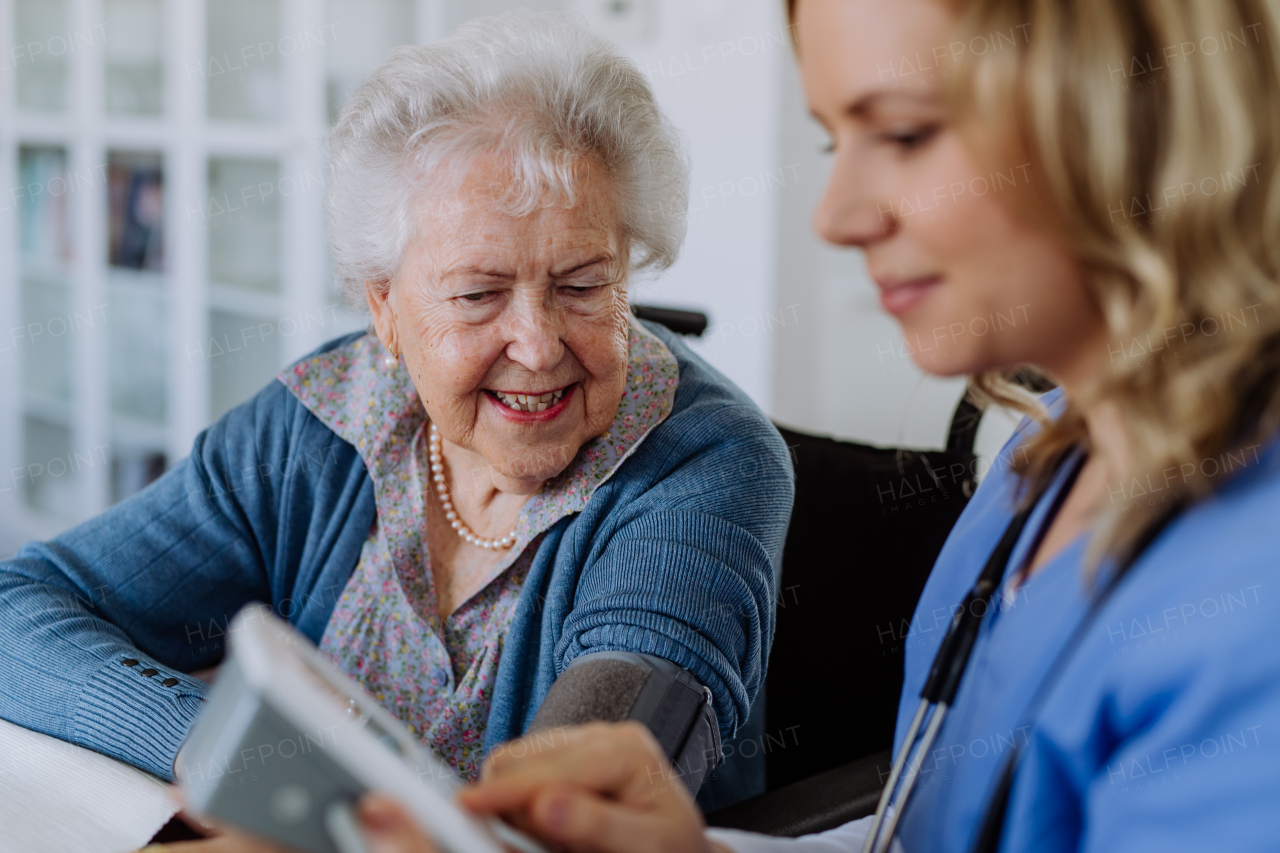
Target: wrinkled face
514,329
974,288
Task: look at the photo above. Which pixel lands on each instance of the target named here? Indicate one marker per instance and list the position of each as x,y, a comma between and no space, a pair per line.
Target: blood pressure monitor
287,743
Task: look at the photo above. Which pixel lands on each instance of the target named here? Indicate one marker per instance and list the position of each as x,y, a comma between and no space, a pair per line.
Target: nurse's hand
388,828
599,788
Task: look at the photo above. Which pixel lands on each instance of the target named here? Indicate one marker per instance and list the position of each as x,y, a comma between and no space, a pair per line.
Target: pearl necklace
442,489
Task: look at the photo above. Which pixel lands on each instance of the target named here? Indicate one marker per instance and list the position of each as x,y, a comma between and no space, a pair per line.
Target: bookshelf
162,250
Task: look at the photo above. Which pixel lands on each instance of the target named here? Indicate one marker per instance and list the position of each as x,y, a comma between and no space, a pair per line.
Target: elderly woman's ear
376,294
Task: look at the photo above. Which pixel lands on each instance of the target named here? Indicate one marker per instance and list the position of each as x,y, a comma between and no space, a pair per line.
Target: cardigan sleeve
100,624
688,570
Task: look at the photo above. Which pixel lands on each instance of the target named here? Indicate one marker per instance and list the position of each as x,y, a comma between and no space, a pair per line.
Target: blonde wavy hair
1153,127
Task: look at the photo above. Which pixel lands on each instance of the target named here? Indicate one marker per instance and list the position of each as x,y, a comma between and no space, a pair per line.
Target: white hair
537,89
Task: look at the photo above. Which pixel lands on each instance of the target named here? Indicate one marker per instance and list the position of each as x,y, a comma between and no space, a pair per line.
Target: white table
55,796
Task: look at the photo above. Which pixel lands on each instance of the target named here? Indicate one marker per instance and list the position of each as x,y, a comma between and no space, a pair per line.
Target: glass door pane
134,57
242,66
244,355
41,46
370,28
48,321
50,482
44,235
243,221
137,352
47,325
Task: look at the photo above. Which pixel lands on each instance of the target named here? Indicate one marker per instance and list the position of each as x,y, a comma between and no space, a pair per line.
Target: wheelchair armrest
692,323
820,802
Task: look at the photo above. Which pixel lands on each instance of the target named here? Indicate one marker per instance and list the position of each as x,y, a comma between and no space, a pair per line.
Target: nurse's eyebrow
872,101
867,105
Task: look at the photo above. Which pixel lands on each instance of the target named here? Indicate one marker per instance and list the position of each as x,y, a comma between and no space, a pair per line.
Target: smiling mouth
898,296
529,402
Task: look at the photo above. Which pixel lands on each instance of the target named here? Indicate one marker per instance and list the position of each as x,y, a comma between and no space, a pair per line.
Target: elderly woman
510,475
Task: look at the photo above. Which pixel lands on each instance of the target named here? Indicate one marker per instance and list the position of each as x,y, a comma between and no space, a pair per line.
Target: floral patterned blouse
385,631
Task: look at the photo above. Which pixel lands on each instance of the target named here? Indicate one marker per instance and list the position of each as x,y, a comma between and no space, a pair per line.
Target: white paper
55,796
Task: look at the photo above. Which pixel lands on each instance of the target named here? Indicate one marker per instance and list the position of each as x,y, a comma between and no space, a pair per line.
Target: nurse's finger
619,760
388,828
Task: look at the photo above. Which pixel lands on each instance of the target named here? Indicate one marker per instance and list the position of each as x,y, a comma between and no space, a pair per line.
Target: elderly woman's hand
387,828
602,787
227,842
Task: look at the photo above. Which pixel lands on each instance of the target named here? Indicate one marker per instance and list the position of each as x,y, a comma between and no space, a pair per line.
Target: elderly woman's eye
475,297
583,289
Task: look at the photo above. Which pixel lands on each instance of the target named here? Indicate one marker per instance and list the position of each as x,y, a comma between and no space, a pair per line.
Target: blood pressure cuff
616,686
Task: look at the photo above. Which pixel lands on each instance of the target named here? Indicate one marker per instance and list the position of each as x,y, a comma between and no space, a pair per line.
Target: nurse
1110,165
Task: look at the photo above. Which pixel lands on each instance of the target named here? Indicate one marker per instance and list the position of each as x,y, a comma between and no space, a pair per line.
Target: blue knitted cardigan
677,555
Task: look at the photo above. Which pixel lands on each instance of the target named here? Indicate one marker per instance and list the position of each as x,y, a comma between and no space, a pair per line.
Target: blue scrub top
1163,731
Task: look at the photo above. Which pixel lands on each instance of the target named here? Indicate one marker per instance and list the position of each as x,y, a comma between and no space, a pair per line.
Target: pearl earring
390,361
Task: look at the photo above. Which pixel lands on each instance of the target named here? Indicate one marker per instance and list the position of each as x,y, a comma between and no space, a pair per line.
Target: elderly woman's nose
537,339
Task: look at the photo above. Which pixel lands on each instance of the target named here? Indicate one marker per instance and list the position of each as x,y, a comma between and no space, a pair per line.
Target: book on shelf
135,215
131,472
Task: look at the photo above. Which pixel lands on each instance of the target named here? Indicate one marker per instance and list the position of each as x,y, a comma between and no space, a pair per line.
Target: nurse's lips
898,296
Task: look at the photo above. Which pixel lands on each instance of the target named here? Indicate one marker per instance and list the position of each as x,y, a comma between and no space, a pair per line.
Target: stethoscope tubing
913,774
948,669
887,794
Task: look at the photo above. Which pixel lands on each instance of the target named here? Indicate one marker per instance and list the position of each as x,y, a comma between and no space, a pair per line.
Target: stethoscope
948,668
